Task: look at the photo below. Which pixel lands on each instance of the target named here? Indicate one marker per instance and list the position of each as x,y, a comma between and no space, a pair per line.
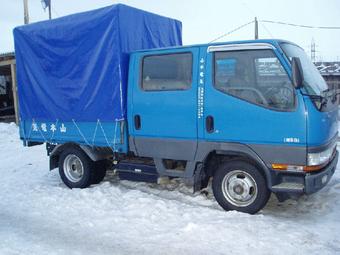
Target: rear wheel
75,168
239,186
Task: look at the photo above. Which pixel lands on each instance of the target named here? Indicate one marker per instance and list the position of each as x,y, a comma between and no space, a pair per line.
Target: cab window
167,72
254,76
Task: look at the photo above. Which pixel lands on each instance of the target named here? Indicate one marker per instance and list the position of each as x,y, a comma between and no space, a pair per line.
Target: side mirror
297,73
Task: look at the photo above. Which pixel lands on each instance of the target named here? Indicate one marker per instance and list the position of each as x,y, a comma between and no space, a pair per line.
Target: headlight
316,161
320,158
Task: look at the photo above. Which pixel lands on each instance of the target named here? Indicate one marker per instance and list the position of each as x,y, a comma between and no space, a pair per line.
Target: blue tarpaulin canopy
76,67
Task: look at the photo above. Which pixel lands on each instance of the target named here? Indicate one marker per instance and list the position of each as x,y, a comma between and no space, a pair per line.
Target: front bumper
304,183
316,181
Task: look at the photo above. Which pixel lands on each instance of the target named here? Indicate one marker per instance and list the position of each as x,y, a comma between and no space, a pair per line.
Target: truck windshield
313,81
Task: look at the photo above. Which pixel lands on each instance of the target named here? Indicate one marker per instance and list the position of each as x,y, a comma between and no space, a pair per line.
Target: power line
251,11
297,25
55,12
274,22
232,31
270,34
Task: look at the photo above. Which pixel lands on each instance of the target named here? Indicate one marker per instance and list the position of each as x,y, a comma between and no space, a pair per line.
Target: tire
238,185
100,171
76,168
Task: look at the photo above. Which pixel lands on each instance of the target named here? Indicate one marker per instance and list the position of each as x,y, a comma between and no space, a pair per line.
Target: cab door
162,114
249,99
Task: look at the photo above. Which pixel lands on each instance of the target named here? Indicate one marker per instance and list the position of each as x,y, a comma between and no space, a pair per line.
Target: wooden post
256,29
26,15
15,92
49,10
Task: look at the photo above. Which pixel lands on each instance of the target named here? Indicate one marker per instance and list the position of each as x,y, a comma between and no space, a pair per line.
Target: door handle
209,124
137,122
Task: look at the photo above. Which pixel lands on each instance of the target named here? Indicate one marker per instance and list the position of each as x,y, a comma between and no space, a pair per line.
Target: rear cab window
166,72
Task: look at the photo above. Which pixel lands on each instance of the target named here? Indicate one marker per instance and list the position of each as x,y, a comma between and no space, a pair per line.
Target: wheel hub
239,188
73,168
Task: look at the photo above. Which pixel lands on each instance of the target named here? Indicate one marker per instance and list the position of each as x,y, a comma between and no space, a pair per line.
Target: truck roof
270,41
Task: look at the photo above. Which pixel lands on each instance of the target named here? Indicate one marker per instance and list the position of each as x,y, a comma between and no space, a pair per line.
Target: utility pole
49,10
312,51
256,29
26,17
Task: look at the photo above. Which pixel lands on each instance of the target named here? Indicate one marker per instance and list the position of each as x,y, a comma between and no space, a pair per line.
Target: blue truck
115,89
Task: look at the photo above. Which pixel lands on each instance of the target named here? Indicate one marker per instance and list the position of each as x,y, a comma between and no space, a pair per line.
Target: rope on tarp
112,147
95,132
115,136
37,128
82,135
98,123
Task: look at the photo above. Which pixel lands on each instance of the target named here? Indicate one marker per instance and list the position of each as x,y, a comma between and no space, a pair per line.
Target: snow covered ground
39,215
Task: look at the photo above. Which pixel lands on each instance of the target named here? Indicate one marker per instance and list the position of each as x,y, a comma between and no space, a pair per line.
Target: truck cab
255,116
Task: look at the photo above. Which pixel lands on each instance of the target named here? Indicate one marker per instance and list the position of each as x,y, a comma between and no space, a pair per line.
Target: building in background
330,71
8,91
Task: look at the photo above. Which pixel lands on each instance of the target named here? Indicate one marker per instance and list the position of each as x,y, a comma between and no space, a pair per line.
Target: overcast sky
205,20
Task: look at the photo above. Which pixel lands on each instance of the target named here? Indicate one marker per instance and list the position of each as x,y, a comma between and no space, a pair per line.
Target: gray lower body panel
292,155
165,148
198,150
195,151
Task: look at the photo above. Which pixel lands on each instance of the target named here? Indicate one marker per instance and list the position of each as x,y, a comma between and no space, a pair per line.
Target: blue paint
169,114
181,114
164,114
76,67
105,134
321,126
243,122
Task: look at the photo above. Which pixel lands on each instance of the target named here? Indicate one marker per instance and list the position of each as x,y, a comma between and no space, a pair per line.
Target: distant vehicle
253,116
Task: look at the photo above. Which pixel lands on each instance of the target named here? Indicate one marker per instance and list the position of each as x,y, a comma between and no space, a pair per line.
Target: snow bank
39,215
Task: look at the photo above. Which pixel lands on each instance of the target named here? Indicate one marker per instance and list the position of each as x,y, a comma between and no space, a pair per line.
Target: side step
137,172
288,187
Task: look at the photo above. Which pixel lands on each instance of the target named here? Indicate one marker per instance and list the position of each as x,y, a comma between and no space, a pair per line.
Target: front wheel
239,186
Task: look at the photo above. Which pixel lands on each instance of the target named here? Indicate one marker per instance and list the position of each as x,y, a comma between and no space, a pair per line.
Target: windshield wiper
328,92
319,101
331,93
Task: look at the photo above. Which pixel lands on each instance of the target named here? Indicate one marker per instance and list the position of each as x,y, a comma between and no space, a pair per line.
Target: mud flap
201,179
